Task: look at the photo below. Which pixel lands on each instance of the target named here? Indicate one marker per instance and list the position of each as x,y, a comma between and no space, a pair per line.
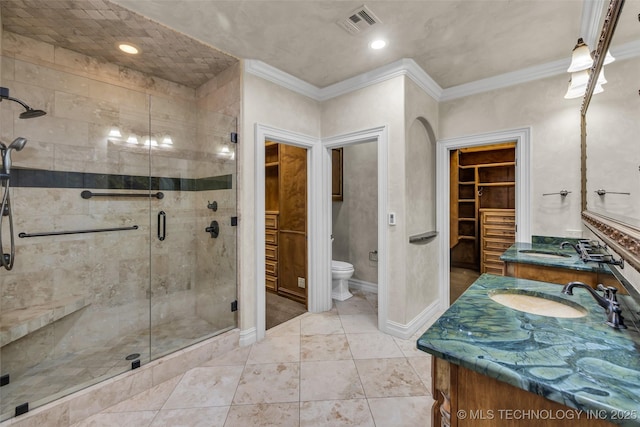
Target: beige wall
376,105
421,120
555,143
269,104
355,219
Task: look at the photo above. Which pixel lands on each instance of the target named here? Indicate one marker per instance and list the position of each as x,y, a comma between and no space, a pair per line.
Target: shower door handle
162,225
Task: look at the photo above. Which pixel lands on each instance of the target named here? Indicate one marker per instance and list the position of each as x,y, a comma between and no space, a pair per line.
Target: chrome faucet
608,301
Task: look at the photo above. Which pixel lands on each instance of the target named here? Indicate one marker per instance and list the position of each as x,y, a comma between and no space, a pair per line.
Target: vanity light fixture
115,133
580,69
167,140
377,44
129,48
132,139
580,58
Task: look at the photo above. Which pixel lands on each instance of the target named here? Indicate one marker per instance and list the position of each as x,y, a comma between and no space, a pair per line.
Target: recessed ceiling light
128,48
377,44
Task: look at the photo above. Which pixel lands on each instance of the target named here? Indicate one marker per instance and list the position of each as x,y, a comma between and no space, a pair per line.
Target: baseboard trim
248,336
407,330
363,285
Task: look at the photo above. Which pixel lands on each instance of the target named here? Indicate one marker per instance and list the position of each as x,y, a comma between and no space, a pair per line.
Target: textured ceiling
454,41
93,27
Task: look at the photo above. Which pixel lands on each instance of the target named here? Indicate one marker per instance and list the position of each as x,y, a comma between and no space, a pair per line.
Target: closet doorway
286,263
482,206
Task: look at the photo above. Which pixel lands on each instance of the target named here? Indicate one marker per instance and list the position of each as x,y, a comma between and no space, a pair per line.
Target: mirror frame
622,237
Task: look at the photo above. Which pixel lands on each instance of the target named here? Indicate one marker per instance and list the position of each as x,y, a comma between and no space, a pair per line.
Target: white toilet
341,272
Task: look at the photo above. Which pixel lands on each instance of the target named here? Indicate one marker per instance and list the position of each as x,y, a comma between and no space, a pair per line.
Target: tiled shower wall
191,273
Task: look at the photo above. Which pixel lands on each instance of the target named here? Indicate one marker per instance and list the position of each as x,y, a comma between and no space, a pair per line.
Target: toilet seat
340,266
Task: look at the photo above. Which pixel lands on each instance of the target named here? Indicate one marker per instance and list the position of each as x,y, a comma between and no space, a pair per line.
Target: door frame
265,133
319,216
522,136
378,135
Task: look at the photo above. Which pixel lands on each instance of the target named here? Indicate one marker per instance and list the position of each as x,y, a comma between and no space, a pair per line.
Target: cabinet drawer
271,283
271,237
496,269
499,232
271,221
271,267
496,245
493,219
271,252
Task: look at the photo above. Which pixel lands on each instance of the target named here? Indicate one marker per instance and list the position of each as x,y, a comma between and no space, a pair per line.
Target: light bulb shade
608,59
574,92
580,79
580,58
577,84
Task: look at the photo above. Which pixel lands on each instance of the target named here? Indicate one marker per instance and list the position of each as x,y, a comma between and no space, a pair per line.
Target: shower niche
101,285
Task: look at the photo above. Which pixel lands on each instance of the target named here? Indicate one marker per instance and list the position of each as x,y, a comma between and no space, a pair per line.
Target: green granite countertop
580,362
533,253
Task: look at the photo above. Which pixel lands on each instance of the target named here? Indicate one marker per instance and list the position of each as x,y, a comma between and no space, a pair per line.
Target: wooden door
292,229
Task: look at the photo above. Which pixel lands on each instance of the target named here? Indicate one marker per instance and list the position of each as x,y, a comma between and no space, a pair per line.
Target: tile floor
328,369
95,364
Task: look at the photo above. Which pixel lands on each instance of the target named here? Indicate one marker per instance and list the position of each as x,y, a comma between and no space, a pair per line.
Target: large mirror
611,138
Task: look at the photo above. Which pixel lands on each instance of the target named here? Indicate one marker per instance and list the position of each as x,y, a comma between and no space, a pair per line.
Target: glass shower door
193,243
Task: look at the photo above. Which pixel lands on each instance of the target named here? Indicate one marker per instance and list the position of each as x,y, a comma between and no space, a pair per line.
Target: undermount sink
537,303
543,254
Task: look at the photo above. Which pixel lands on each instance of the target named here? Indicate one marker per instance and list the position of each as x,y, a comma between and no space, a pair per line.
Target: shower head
17,144
29,112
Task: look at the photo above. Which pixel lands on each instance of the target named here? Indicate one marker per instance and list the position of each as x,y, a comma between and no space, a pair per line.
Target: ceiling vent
359,20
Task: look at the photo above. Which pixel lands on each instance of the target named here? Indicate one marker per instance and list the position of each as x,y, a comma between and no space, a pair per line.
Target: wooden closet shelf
466,200
466,219
497,184
467,182
466,237
271,164
496,165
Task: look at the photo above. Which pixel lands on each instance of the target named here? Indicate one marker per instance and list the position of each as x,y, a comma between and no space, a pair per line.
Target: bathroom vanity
549,262
501,366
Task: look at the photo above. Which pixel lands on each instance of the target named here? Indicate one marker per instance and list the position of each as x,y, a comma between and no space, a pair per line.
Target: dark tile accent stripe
55,179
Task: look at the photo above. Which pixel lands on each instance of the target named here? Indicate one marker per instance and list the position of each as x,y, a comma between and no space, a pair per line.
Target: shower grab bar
95,230
86,194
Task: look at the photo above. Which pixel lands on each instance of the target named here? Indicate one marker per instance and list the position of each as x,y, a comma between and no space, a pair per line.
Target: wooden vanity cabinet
487,402
561,276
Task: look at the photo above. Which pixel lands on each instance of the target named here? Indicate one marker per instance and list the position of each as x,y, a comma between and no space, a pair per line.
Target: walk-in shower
109,201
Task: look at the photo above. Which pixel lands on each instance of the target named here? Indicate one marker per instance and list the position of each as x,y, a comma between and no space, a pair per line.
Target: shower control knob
213,229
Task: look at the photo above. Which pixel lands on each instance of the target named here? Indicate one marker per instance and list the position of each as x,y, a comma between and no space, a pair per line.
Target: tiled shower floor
75,371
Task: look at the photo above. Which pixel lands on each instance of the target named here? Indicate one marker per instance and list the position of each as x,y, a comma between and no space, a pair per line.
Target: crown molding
626,51
590,21
407,67
507,79
281,78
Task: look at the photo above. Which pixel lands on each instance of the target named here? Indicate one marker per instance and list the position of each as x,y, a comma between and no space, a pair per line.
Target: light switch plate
301,282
